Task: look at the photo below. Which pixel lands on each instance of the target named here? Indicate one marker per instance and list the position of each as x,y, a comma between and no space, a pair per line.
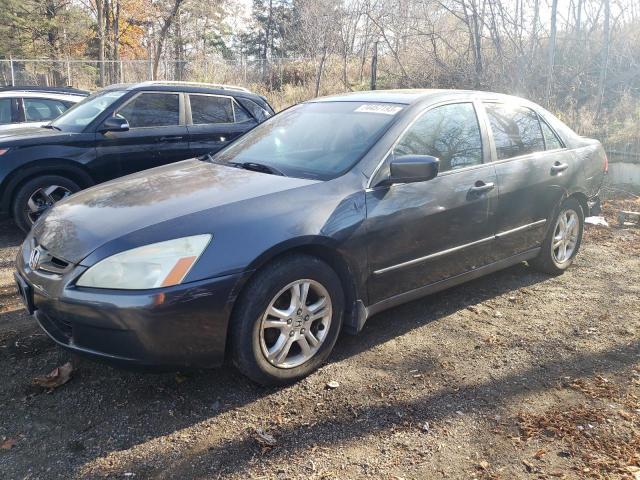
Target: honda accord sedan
312,222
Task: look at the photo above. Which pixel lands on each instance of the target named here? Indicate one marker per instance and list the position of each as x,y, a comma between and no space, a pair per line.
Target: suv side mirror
413,168
114,124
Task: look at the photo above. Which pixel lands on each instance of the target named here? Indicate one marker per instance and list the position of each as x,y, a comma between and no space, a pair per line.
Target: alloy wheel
43,199
565,236
295,324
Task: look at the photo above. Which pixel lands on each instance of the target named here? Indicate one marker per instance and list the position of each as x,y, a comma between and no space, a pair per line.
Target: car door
422,233
533,170
157,134
215,120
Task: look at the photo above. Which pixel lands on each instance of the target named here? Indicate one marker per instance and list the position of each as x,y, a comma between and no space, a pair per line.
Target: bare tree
166,23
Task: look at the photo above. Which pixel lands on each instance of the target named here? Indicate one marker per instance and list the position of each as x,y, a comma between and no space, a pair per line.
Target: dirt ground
515,375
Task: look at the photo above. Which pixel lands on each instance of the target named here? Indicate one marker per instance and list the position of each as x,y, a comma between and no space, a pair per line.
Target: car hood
29,135
76,226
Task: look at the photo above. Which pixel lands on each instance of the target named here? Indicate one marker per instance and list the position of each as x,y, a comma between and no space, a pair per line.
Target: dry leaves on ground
57,377
593,433
7,443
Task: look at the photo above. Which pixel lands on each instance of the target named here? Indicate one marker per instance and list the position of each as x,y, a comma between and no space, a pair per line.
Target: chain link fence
283,81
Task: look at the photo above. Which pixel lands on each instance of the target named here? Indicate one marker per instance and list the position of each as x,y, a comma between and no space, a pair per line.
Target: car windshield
83,113
314,140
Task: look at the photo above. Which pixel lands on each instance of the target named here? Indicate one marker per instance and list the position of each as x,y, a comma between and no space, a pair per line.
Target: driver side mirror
114,124
413,168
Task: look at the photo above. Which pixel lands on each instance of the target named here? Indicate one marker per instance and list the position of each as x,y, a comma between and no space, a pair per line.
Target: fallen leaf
57,377
8,444
265,438
539,454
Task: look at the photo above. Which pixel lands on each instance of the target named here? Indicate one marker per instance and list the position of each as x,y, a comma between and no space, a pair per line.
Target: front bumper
180,326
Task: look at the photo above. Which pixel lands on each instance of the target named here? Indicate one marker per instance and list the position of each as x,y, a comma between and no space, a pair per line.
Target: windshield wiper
258,167
51,127
253,166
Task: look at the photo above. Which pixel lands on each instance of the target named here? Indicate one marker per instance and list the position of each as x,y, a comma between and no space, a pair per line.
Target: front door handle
559,167
170,138
480,187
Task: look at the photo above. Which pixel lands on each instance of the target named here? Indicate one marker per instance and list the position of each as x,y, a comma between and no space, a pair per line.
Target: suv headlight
156,265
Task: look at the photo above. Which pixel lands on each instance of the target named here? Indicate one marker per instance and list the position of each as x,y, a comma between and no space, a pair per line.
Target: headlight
160,264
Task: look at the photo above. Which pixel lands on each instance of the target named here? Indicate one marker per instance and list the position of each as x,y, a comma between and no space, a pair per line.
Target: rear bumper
181,326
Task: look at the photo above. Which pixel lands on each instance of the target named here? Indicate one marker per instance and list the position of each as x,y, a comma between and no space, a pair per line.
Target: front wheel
563,240
287,320
38,195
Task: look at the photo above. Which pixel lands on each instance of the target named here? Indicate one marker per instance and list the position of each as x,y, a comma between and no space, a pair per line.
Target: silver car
22,107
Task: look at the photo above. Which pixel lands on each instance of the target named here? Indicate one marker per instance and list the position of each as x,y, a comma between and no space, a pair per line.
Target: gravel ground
515,375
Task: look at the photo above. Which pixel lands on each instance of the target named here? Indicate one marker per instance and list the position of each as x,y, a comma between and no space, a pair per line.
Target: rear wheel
563,240
38,195
287,320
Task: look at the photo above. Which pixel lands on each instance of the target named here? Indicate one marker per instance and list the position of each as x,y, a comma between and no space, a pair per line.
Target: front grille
54,265
41,259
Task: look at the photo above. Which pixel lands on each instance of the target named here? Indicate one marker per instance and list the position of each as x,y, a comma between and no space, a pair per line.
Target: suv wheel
287,320
562,242
37,195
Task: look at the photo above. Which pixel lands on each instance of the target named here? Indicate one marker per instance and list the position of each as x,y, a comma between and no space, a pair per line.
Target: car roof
41,89
37,94
190,87
412,96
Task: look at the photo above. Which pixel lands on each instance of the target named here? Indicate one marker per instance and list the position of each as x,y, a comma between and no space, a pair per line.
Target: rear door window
152,110
450,133
5,111
43,109
516,130
207,109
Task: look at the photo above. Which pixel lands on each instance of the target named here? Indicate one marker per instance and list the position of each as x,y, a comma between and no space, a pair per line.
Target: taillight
605,167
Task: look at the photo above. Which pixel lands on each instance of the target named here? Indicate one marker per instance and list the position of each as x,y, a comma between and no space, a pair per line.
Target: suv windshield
313,140
83,113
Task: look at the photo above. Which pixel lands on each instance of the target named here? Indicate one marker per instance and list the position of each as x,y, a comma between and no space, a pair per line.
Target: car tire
272,289
561,244
43,191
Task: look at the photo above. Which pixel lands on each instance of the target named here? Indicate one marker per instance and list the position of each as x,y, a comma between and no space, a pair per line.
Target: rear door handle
559,167
480,187
170,138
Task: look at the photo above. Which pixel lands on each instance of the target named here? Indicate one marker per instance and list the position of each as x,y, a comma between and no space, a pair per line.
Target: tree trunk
115,17
320,70
100,22
605,55
267,40
552,51
107,36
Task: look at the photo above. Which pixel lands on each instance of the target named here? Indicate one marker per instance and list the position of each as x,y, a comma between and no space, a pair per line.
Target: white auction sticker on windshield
378,108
